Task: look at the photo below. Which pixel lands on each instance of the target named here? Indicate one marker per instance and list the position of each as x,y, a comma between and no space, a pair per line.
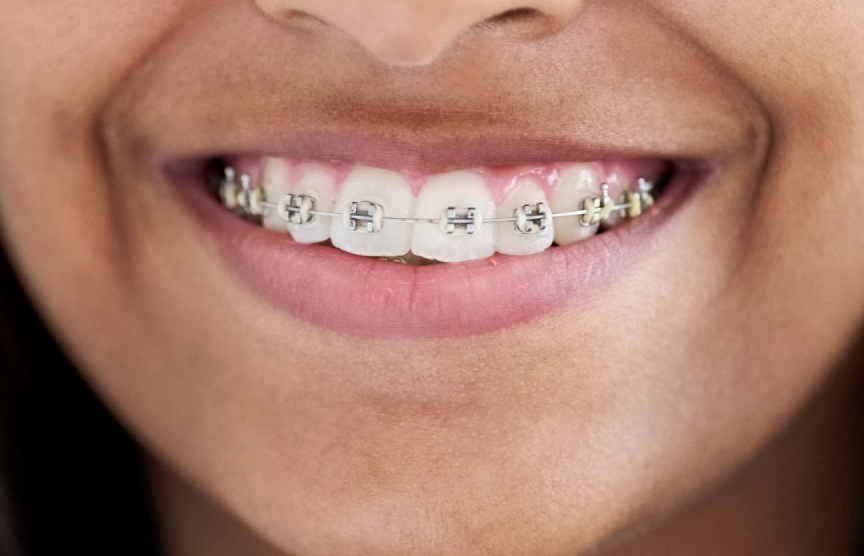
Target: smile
454,217
317,239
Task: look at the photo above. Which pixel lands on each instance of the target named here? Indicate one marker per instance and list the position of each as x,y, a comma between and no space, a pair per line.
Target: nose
416,32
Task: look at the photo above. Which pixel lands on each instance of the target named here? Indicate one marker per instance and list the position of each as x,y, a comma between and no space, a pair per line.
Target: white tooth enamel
575,183
510,240
321,186
462,189
276,186
392,192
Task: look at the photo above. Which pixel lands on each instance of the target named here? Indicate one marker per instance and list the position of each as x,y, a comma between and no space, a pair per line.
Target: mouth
478,249
453,217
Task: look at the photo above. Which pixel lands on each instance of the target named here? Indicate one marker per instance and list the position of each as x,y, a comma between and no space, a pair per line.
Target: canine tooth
276,186
297,209
511,241
321,186
576,182
383,191
462,190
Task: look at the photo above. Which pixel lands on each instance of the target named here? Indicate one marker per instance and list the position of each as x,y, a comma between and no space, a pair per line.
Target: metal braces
363,212
368,217
297,209
465,221
532,220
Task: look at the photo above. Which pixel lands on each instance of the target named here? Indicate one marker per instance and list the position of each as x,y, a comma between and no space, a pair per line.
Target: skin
702,403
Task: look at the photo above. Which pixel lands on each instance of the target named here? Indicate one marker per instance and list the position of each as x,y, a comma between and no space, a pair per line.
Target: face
522,395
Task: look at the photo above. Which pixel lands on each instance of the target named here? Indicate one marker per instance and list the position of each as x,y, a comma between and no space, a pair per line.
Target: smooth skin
701,403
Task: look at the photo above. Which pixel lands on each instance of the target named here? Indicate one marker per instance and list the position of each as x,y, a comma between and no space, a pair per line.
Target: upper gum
501,180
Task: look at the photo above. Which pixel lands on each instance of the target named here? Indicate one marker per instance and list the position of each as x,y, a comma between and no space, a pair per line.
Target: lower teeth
249,202
409,259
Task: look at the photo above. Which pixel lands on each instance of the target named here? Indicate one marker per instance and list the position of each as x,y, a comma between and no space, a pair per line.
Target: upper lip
437,154
450,141
429,120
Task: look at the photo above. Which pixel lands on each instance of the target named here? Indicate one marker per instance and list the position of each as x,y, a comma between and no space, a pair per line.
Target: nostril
522,20
295,17
516,14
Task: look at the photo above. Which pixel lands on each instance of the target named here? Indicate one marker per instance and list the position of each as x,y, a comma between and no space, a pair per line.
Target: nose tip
416,32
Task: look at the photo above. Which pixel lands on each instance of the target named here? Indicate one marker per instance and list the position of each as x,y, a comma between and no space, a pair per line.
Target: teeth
511,241
462,190
577,182
321,186
276,186
453,219
617,190
388,190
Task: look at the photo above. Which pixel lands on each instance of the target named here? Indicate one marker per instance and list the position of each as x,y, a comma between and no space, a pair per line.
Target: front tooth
389,190
463,190
511,241
321,186
576,182
276,185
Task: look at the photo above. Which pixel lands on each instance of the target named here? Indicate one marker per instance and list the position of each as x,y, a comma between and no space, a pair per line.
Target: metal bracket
296,209
363,217
531,220
461,221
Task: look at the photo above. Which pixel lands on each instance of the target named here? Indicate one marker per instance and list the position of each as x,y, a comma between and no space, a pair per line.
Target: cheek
58,213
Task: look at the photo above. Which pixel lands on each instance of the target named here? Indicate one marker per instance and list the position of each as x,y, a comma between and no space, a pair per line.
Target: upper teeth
454,217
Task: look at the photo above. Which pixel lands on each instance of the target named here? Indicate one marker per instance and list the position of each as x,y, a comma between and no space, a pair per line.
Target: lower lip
365,297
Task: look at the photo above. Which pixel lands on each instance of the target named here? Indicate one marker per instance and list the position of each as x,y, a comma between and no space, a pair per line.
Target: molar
576,182
387,189
463,190
510,240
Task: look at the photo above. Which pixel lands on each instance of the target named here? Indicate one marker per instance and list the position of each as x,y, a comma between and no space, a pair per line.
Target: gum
620,175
